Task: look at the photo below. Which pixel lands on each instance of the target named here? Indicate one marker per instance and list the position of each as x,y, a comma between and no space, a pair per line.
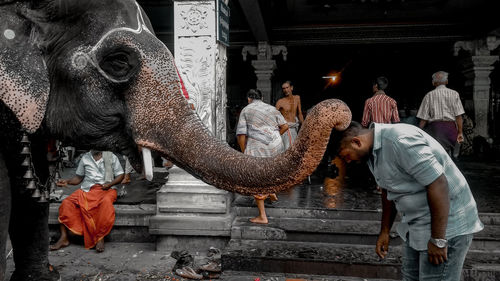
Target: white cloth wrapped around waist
264,136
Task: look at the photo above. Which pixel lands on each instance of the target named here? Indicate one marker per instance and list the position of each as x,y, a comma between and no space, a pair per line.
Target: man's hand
62,183
460,138
382,247
436,255
106,186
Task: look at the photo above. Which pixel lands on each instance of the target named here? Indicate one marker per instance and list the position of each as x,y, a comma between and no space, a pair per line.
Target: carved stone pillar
477,68
264,65
190,213
202,61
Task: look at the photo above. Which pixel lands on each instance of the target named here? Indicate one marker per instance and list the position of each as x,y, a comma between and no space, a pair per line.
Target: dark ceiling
332,22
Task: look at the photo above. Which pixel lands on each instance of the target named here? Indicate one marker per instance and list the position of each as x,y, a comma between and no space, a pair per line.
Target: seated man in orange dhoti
89,211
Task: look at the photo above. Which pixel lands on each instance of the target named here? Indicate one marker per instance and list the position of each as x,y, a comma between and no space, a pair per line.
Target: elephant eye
119,64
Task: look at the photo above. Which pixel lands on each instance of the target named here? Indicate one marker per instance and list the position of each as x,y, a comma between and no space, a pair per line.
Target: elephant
93,74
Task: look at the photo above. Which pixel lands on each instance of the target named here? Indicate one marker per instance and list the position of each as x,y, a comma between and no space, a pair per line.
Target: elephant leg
29,234
5,205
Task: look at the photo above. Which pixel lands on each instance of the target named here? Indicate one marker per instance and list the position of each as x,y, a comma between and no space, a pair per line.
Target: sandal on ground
210,275
211,266
188,272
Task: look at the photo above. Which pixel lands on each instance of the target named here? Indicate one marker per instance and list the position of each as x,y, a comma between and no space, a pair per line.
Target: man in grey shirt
421,182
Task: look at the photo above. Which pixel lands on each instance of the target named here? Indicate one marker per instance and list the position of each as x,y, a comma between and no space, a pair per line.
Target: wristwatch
440,243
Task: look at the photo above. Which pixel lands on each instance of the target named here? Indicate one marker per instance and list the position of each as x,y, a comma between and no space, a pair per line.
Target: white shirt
93,172
440,104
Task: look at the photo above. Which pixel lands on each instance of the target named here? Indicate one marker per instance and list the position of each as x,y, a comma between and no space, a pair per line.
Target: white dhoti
291,134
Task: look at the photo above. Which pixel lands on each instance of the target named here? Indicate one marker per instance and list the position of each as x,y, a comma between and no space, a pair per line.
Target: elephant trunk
166,124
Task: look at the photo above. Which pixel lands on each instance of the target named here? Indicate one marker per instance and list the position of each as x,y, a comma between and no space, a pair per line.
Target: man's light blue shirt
94,171
404,161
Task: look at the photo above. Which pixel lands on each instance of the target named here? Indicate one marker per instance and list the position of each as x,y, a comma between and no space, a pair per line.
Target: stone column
202,61
192,215
477,67
264,65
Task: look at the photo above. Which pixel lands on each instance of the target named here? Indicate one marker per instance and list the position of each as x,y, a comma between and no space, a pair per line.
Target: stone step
243,211
344,214
274,276
126,215
364,232
307,229
337,259
310,258
131,223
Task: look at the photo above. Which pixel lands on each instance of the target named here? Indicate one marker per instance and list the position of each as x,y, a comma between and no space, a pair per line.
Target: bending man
418,179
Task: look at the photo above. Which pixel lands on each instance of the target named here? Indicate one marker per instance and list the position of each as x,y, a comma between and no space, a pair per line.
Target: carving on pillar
264,51
195,61
195,18
195,54
220,97
480,47
264,65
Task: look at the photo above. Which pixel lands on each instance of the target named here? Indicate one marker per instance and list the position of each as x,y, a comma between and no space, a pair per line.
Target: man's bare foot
99,247
61,243
126,179
259,220
273,197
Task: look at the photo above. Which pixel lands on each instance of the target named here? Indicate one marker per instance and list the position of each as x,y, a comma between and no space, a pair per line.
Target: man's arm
439,205
388,215
299,111
422,123
72,181
395,113
278,105
242,142
283,128
459,121
365,121
116,181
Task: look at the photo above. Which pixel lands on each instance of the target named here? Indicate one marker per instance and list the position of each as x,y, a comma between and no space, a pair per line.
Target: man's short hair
254,94
440,77
342,138
381,83
288,82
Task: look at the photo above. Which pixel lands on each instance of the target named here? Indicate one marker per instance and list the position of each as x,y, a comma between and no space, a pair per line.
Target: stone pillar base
191,215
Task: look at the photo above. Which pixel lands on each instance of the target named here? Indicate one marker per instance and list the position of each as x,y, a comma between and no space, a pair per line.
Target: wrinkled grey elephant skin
93,74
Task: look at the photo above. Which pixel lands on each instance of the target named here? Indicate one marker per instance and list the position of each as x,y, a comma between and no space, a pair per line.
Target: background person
259,131
441,112
291,109
380,108
89,210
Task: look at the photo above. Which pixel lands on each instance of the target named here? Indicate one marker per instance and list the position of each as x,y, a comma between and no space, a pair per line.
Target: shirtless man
291,109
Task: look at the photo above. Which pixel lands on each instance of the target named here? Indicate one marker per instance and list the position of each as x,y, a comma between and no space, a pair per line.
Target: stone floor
140,261
483,179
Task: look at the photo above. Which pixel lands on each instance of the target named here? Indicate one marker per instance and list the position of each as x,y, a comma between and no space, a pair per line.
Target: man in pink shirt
380,108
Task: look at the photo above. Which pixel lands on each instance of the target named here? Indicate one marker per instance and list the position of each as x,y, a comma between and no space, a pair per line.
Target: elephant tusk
148,163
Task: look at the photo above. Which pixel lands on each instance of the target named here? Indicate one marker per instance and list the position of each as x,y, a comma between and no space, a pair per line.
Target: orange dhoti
90,214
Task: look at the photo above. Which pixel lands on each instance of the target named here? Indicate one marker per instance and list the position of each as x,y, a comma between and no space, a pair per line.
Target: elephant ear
24,83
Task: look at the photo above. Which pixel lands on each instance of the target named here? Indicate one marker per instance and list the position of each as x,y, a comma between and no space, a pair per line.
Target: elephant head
92,73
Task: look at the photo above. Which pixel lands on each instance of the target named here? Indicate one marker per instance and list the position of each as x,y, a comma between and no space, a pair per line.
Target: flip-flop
211,266
188,272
